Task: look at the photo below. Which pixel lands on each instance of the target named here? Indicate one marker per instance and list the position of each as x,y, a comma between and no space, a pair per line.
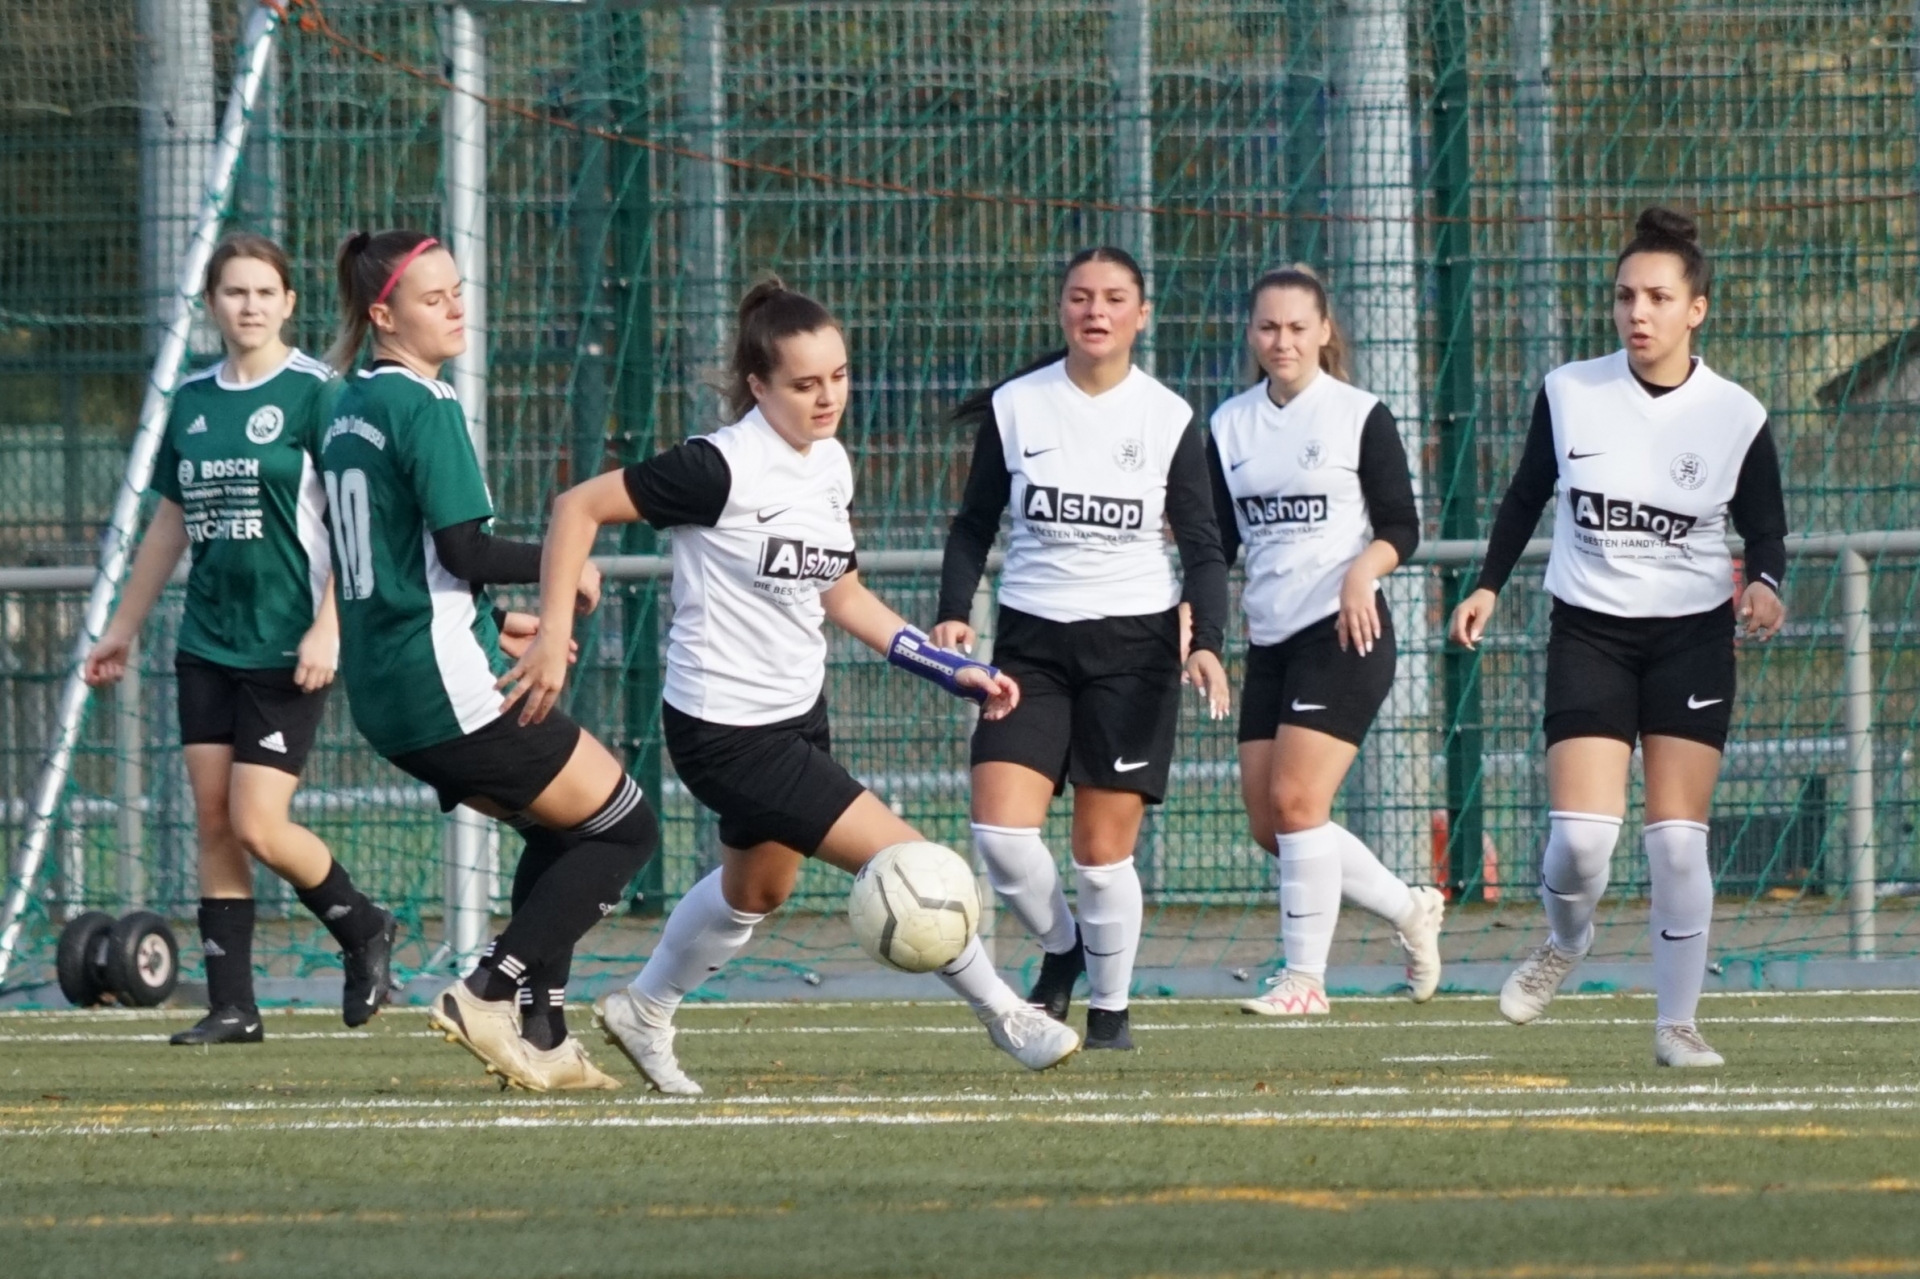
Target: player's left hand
516,637
1209,678
587,597
1003,693
1358,627
316,658
536,679
1761,611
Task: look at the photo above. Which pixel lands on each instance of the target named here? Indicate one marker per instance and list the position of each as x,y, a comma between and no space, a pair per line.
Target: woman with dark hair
1095,458
763,554
1310,475
1651,455
259,636
420,651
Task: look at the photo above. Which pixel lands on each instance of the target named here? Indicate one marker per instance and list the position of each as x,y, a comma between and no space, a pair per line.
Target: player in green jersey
420,651
259,637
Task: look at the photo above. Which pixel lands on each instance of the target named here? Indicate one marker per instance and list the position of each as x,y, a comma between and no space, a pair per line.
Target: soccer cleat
1682,1046
369,974
223,1026
1032,1038
1531,987
490,1030
1419,937
1052,993
649,1048
567,1068
1291,994
1108,1029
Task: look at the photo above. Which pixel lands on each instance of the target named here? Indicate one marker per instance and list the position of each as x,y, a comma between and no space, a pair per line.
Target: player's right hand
956,636
1470,619
107,662
588,597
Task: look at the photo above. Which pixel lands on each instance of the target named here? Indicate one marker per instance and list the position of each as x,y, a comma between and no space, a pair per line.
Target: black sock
226,940
543,1016
584,883
344,909
498,976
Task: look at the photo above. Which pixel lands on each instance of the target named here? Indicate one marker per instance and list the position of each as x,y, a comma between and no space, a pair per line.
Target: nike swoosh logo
1037,452
1309,914
764,516
1121,765
250,1027
1682,937
1299,705
1575,457
1237,465
1695,704
1565,897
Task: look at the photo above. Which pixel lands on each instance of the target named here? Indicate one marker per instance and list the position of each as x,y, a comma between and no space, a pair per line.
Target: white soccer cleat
490,1030
649,1048
1531,987
1032,1038
1290,995
567,1068
1419,937
1682,1046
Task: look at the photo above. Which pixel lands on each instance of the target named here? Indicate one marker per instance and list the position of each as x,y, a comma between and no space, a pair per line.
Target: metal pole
1857,625
470,843
248,73
1303,113
980,617
1533,108
129,784
1130,48
261,201
176,132
704,227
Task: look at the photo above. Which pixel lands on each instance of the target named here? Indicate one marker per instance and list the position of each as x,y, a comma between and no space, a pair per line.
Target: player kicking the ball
763,552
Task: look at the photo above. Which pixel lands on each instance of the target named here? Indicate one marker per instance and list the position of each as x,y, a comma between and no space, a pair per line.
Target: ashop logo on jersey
1048,505
1307,508
1605,514
793,560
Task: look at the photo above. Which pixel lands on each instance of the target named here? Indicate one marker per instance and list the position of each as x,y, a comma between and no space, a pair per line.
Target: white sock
1021,870
701,935
1309,873
1111,910
1367,883
1682,912
1573,875
972,978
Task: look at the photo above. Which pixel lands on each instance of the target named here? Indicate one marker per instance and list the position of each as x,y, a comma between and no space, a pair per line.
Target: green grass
891,1140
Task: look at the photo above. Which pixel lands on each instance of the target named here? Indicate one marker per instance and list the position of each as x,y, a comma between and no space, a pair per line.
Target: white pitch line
1443,1057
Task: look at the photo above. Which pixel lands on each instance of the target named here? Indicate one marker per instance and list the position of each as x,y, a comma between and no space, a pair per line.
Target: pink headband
401,270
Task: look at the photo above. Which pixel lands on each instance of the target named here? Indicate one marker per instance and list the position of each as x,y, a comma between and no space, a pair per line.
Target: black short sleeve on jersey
1759,511
474,555
687,484
1190,509
1223,510
976,523
1527,496
1385,484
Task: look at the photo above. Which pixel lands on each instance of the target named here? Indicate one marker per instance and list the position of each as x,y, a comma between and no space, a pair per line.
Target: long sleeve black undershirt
1527,495
1759,511
473,555
976,523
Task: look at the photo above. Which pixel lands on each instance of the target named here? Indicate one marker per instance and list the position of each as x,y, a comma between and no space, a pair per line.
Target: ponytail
367,267
769,314
1334,358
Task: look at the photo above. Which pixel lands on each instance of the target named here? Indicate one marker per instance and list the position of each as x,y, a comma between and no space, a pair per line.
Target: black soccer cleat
1108,1029
1052,993
223,1026
369,974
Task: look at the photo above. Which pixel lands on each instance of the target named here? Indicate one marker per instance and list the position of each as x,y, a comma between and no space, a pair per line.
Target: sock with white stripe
1682,912
1111,912
972,977
1367,883
1309,873
1022,872
1573,875
701,935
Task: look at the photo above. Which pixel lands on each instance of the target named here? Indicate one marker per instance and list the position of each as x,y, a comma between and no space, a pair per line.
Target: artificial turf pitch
842,1140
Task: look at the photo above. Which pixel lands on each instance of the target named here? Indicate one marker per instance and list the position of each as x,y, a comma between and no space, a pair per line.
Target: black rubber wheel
143,960
77,962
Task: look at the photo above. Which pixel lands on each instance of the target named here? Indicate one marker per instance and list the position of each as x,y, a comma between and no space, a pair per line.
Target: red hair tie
401,269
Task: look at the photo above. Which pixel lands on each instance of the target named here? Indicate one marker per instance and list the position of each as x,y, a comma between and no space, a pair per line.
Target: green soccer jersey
418,647
238,459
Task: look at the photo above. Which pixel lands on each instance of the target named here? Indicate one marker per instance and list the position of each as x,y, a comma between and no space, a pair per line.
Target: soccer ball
914,907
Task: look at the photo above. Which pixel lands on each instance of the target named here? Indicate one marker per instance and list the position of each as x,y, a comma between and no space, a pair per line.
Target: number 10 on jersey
352,535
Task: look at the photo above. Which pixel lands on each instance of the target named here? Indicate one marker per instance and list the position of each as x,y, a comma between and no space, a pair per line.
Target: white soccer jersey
1299,502
1088,495
1640,515
759,531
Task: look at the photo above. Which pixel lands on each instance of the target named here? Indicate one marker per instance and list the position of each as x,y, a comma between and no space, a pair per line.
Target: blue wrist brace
911,650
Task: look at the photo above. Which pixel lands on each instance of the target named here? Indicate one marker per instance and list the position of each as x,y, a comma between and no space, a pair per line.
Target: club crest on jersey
186,471
1306,508
264,426
793,560
1046,504
1689,471
1603,514
1313,455
1130,456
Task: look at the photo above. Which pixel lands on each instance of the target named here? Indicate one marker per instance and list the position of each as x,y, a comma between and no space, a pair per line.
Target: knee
1587,837
257,834
756,887
1294,810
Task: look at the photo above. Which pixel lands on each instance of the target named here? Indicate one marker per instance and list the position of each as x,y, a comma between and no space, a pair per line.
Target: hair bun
357,242
764,291
1667,224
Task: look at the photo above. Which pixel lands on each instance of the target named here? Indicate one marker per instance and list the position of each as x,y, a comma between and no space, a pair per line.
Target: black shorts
1308,681
504,762
1099,700
1626,677
768,783
262,714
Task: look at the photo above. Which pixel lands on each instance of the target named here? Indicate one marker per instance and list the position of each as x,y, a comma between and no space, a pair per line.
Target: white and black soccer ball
914,906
